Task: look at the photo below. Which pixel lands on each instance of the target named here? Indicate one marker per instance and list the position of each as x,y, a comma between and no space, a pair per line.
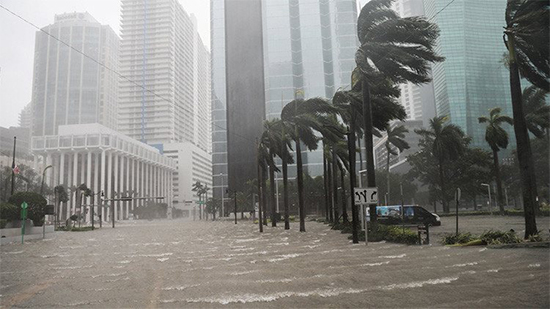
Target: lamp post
361,172
43,176
489,191
223,192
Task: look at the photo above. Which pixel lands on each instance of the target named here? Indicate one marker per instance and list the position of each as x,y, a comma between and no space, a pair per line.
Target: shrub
462,238
495,237
9,212
379,232
535,238
3,223
36,205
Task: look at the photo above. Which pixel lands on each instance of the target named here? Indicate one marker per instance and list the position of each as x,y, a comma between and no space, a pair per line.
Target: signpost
24,207
365,197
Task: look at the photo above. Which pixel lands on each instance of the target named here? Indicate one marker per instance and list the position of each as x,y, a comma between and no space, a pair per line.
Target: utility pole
13,166
235,207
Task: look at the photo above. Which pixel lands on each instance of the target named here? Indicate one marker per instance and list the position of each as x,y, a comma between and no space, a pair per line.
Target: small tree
36,205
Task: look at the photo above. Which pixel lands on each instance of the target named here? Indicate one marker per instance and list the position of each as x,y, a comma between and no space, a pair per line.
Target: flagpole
13,166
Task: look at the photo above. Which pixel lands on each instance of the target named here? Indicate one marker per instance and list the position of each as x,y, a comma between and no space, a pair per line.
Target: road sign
365,196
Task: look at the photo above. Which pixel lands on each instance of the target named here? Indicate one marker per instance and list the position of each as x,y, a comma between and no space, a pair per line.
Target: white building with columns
106,161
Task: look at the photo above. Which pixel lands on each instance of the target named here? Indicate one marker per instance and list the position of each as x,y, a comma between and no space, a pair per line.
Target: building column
89,183
147,191
48,176
128,188
96,189
61,181
75,181
55,168
122,186
69,183
133,182
109,193
103,183
116,189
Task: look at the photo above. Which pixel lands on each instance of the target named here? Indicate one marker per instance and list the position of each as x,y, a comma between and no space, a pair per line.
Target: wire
112,70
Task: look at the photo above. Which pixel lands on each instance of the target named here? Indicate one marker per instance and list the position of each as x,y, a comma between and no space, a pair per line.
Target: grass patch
74,229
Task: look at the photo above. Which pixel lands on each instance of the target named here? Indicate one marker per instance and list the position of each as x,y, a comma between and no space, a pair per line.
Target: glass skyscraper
473,78
69,88
309,51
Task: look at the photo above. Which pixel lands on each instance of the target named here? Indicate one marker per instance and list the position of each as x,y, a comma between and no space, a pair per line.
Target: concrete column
96,183
116,188
109,193
82,170
128,188
35,162
147,187
122,177
55,168
69,183
103,183
133,182
48,176
75,181
62,181
89,183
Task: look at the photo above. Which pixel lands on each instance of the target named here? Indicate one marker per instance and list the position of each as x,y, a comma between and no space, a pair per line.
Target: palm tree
199,188
305,117
272,140
537,112
399,49
394,137
61,196
527,32
448,143
497,138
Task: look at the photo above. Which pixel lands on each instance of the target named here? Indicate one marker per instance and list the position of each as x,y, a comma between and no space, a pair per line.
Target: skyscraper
166,96
309,51
473,78
68,87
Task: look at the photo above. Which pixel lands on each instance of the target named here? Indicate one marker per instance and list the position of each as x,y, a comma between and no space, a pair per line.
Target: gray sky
17,41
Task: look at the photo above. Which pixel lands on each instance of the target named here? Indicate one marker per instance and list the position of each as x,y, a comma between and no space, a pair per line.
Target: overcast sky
17,41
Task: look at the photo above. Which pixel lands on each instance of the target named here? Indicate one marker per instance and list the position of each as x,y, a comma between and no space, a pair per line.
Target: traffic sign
365,196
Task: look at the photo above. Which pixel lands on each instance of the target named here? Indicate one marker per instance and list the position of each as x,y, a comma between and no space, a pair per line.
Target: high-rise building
25,117
418,100
473,77
69,84
166,95
309,51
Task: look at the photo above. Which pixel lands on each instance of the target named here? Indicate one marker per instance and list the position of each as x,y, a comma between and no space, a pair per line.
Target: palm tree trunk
367,116
272,195
335,184
259,189
500,196
264,197
325,180
443,188
285,192
330,195
527,172
300,177
388,178
344,210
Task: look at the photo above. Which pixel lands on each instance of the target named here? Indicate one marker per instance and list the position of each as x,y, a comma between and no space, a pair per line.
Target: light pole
43,176
488,190
223,195
361,172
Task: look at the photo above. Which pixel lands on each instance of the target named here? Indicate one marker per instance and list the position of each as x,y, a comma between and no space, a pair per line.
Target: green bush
495,237
535,238
396,234
9,212
3,223
36,205
462,238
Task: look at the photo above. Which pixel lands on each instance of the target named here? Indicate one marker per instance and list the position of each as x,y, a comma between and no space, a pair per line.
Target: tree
447,143
394,137
537,112
396,49
305,117
271,138
212,206
61,196
527,33
36,205
199,188
497,138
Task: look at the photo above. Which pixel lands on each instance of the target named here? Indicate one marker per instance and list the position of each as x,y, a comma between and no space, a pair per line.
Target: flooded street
176,263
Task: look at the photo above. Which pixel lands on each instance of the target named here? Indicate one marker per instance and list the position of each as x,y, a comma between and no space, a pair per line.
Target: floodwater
177,263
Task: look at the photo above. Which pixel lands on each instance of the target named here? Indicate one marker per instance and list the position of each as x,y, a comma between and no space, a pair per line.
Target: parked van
412,214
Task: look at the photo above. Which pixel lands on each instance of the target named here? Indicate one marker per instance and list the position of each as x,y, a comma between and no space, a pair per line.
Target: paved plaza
186,264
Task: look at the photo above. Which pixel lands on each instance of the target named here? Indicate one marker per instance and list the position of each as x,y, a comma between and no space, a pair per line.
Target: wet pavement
177,263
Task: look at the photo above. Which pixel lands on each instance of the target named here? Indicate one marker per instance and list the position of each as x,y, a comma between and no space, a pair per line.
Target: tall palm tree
448,143
272,140
198,187
497,138
394,137
537,112
526,37
305,117
399,49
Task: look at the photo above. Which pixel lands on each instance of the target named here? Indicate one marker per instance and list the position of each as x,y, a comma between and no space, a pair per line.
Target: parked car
412,214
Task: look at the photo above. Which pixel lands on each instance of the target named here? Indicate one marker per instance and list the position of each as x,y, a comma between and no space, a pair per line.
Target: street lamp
43,176
361,177
488,190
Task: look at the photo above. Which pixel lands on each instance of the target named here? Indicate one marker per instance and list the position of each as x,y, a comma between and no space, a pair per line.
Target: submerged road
176,263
